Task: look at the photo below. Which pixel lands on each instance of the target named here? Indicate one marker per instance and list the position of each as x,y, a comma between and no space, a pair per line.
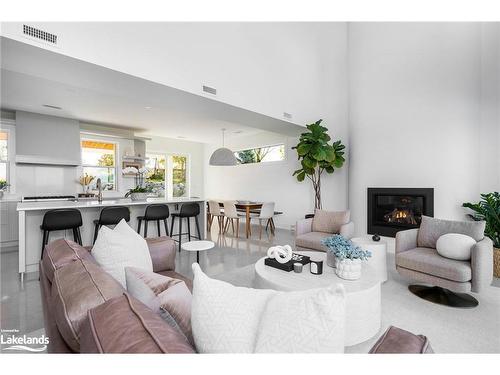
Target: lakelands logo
10,342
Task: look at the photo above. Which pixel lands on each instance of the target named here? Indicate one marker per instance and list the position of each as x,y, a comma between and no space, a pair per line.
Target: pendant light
223,156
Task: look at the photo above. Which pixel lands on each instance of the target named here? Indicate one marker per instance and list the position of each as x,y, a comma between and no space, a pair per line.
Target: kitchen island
31,216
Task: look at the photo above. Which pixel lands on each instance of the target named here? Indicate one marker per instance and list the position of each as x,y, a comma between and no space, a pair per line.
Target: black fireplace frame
388,229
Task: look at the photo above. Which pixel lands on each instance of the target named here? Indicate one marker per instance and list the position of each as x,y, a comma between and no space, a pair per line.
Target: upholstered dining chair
232,216
214,211
451,280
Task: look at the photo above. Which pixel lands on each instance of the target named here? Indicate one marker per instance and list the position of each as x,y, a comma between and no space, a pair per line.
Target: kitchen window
169,174
261,154
99,160
7,156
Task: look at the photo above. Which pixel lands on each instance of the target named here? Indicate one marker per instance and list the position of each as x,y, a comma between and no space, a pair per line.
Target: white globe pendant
223,156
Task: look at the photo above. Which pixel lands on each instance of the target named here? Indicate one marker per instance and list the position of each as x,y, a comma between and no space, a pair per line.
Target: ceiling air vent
287,115
209,90
39,34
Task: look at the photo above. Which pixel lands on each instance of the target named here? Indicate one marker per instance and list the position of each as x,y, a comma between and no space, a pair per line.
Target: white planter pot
331,259
348,269
139,196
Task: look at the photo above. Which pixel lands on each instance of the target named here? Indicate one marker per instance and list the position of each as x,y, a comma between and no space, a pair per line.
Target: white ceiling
32,77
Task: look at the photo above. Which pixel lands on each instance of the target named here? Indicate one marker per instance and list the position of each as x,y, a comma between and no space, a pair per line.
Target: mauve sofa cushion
398,341
329,221
76,288
431,229
162,251
61,252
125,325
175,275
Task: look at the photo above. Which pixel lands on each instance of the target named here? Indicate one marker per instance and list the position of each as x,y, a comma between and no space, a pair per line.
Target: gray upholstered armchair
310,232
418,259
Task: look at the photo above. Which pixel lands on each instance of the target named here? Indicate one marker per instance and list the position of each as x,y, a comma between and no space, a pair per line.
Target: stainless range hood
47,140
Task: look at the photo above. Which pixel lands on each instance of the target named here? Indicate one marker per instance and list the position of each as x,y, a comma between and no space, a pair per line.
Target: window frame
169,184
156,154
9,127
117,161
274,162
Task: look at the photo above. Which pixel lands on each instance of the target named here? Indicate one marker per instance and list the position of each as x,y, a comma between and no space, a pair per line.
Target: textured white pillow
121,247
455,246
229,319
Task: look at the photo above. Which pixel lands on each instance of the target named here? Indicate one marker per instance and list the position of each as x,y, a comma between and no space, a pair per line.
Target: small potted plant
85,181
139,193
345,257
3,186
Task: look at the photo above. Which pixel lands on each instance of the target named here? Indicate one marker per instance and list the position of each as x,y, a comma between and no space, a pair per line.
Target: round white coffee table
378,260
363,305
197,246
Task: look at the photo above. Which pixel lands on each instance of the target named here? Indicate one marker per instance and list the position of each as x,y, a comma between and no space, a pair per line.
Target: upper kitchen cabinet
47,140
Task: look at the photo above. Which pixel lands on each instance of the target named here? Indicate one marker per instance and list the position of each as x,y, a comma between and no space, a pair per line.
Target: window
179,176
261,154
4,157
168,174
99,160
157,165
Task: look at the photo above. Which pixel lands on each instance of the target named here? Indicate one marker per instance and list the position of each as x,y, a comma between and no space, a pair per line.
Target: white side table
378,260
197,246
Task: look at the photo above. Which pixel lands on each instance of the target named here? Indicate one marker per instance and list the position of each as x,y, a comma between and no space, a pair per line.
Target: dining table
247,207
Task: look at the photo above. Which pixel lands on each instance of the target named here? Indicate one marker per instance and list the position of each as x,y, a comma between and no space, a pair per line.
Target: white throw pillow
229,319
455,246
121,247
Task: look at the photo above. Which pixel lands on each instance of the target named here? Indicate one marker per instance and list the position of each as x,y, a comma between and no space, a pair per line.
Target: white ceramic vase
139,196
348,269
331,259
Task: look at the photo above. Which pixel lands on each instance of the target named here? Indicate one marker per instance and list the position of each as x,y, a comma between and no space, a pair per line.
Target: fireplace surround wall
393,209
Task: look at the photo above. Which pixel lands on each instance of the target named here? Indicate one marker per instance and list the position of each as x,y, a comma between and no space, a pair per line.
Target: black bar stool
154,212
111,216
188,210
61,219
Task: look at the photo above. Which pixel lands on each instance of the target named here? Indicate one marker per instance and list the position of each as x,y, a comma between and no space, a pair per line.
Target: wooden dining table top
244,204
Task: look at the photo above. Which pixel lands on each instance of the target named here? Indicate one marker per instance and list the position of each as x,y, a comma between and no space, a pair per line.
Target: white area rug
449,330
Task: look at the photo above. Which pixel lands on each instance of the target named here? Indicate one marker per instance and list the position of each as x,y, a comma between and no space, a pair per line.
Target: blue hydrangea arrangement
342,248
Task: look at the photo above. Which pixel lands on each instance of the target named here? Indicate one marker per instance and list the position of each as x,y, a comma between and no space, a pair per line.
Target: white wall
327,98
489,130
195,152
415,111
269,68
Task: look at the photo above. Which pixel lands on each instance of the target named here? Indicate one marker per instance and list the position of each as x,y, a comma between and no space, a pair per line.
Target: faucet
99,188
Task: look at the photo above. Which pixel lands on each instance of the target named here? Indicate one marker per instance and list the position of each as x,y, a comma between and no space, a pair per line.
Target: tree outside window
261,154
99,160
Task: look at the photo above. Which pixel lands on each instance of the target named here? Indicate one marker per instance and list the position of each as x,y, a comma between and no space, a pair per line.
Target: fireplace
393,209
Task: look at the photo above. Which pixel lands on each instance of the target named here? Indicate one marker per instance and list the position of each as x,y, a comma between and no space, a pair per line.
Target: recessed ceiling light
238,131
181,137
148,107
51,106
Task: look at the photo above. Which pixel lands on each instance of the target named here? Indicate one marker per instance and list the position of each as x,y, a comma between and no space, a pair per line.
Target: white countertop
85,203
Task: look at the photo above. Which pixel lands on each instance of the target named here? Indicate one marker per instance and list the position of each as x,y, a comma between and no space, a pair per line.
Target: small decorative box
288,266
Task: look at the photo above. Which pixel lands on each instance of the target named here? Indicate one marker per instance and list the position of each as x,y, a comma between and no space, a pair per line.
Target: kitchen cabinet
9,223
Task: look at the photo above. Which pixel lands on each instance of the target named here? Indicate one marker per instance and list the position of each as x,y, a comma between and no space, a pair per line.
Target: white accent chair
231,215
214,211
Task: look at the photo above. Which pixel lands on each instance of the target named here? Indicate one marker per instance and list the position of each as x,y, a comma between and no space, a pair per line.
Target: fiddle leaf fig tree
316,156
